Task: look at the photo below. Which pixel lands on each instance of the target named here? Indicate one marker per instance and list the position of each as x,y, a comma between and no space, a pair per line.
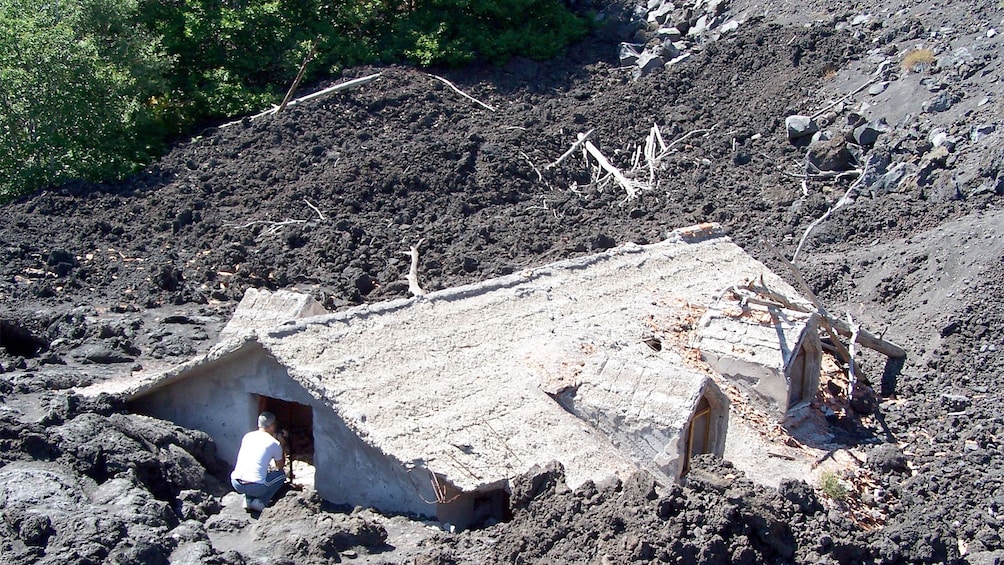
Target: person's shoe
256,505
245,502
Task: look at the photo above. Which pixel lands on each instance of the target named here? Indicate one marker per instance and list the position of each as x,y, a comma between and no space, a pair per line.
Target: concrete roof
457,381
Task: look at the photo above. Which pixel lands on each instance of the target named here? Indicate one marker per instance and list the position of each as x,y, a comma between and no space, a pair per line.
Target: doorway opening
803,373
698,433
298,421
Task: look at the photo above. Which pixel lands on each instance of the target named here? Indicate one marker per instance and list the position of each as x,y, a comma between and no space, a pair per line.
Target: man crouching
251,476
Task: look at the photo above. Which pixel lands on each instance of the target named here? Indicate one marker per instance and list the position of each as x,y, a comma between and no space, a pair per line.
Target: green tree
93,89
454,32
76,92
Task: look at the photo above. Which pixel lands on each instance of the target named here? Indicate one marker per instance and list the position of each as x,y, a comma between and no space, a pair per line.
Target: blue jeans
262,491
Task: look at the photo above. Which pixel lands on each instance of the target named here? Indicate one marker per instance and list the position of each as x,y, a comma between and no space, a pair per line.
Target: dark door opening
298,421
699,433
797,374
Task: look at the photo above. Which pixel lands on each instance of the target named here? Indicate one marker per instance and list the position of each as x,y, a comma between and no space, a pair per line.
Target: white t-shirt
258,448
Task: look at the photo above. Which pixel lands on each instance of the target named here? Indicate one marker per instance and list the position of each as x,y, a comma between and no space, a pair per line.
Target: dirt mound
99,280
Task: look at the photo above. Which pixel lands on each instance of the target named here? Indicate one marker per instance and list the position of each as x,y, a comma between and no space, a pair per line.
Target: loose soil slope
98,280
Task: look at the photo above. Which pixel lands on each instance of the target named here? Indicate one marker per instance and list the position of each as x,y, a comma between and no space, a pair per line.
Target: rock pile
664,33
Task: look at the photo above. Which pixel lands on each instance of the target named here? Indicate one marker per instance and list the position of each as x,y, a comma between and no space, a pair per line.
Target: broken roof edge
138,387
699,234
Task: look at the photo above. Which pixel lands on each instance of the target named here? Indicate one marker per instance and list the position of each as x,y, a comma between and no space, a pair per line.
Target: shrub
918,60
832,487
454,32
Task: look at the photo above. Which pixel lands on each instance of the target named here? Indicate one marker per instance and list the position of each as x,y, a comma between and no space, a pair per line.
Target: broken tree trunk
626,184
412,276
299,77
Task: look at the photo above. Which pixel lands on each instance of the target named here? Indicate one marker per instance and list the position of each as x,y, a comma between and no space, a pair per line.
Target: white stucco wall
220,399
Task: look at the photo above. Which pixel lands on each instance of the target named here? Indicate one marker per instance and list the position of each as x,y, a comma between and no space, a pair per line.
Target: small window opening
490,508
20,342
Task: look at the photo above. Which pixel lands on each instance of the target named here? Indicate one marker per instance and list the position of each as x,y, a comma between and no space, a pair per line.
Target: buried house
431,404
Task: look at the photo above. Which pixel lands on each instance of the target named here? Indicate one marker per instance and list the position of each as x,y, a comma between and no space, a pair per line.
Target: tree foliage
75,84
92,89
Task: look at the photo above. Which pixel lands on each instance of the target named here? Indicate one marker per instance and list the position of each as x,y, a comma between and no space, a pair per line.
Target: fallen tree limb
461,92
823,314
852,375
844,200
626,184
314,208
864,337
582,138
685,137
844,97
540,177
274,226
330,90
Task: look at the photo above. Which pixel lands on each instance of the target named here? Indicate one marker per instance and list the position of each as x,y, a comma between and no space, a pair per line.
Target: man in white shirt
251,476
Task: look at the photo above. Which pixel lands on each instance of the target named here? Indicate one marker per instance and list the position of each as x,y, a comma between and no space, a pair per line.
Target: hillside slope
98,280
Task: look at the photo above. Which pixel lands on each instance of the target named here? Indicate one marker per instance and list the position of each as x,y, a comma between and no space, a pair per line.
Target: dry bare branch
540,177
461,92
629,186
686,136
823,314
299,77
275,227
314,208
412,276
330,90
844,200
582,138
823,110
772,297
852,375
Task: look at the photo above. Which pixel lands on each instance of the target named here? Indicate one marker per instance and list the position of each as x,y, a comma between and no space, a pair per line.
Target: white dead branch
582,138
844,200
685,137
462,93
655,149
820,309
330,90
766,296
629,186
540,177
412,276
844,98
852,375
276,227
314,208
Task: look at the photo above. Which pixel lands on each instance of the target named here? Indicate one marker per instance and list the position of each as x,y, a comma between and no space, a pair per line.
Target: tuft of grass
829,72
832,487
918,60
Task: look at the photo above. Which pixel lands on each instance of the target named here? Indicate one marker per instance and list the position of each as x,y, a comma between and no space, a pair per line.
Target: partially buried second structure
432,404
